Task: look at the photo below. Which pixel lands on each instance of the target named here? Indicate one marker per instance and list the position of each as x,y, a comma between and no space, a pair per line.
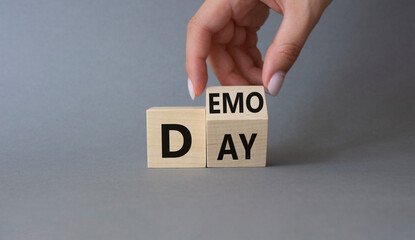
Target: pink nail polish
191,89
275,83
266,90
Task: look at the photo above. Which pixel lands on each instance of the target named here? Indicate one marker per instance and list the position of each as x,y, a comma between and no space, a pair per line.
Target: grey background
77,76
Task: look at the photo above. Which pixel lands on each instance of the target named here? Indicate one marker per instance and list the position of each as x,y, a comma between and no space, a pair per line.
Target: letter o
260,99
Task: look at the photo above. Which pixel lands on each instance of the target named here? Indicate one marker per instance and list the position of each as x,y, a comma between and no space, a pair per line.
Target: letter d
165,140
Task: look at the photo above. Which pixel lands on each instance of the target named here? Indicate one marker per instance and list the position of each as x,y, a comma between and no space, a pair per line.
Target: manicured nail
191,89
275,83
266,90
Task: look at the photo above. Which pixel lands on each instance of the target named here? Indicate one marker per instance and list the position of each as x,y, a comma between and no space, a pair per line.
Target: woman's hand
224,32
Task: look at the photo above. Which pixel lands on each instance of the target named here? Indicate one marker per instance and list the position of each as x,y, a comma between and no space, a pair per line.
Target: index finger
209,19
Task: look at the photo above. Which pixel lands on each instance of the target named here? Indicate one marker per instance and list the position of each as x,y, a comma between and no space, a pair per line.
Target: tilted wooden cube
236,126
176,137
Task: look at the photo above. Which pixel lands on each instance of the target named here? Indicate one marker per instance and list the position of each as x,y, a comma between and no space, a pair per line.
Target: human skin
224,33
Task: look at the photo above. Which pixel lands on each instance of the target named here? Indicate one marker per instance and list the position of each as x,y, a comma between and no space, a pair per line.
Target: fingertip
198,89
197,75
191,88
195,87
275,83
199,81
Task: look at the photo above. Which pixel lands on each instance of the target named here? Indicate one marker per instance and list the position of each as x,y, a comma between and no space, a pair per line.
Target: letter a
223,150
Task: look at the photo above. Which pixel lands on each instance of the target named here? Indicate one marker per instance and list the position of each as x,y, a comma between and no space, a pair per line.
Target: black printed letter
227,100
213,103
232,150
260,104
247,145
165,140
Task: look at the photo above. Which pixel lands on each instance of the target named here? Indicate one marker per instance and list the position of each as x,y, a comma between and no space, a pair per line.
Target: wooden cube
236,126
176,137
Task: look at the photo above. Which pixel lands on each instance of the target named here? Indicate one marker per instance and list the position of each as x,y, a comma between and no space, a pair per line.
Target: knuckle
290,50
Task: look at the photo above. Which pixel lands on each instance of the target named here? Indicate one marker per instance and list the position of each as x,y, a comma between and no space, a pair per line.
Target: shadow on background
321,135
347,123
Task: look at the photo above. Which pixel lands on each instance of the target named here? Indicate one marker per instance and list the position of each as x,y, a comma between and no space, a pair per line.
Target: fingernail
191,89
275,83
266,90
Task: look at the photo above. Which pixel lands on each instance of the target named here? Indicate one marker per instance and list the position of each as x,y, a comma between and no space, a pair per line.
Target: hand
224,32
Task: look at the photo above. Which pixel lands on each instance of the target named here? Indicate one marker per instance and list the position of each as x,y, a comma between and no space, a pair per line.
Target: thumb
281,55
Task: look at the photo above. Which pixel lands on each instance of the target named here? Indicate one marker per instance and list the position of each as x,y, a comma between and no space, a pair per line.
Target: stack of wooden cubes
231,131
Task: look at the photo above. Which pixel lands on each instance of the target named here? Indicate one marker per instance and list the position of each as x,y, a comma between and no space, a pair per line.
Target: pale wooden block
236,126
177,119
